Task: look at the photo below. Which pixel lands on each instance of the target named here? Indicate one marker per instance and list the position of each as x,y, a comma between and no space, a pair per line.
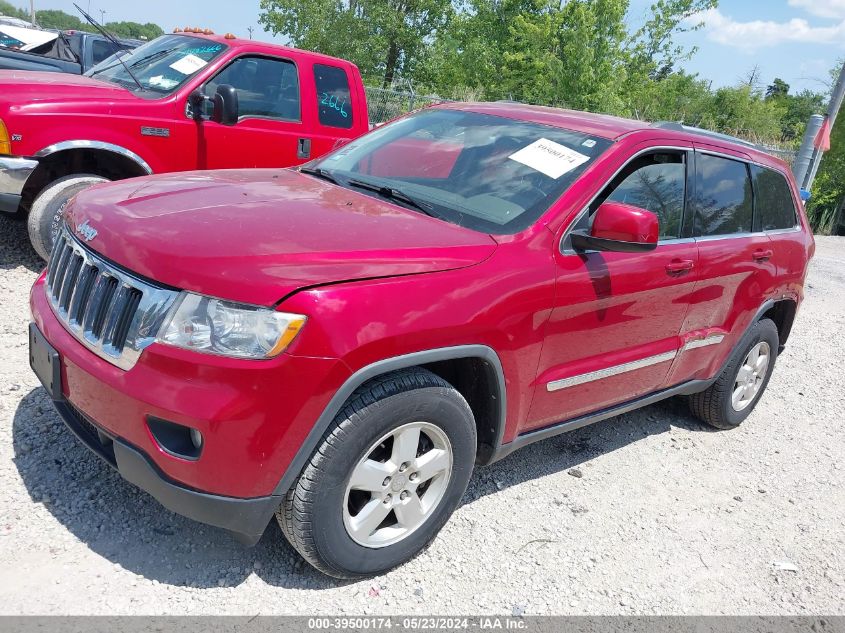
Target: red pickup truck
341,344
183,101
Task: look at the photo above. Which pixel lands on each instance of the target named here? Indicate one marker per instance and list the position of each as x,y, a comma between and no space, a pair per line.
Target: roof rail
679,127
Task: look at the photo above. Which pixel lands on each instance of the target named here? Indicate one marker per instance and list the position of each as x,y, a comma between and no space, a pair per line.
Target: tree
653,49
59,20
778,90
12,11
135,30
384,37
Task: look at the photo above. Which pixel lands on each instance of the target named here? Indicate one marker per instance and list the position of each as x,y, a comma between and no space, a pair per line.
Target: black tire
312,515
714,406
45,216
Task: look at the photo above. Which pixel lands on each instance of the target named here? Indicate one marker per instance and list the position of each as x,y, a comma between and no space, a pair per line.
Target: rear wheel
732,398
387,476
45,216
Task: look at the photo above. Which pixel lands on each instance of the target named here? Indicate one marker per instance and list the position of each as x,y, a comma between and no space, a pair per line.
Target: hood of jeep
257,235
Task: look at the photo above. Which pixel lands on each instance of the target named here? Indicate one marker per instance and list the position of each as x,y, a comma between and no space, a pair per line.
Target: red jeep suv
341,344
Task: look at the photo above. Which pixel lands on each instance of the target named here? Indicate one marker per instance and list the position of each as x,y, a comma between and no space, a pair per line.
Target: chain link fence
384,104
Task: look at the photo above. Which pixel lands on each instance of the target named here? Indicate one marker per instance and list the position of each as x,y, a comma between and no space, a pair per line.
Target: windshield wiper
392,193
319,172
118,46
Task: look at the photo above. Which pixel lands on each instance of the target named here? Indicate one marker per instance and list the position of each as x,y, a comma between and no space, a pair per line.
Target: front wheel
729,400
45,216
386,477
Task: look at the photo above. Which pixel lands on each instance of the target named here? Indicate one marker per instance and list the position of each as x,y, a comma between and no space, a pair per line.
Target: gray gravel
647,513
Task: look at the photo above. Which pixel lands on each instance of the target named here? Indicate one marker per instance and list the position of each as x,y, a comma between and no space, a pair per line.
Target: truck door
270,122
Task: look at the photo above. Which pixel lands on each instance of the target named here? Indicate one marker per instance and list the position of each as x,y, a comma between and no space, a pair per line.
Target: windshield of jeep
160,66
485,172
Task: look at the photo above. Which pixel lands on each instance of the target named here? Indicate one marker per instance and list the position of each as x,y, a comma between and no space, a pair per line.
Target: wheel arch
782,313
485,371
81,157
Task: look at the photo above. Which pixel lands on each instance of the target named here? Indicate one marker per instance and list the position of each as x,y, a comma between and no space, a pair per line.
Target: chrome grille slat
79,303
61,272
69,282
111,312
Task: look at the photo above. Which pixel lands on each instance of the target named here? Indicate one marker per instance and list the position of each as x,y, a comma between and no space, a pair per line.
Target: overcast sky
796,40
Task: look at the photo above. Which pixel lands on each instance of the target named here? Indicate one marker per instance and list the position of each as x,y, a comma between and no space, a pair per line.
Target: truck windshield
160,66
485,172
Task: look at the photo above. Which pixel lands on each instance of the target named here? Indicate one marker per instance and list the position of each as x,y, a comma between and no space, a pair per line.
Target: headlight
221,327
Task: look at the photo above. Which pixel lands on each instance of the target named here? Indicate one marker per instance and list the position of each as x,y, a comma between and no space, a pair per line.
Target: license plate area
45,362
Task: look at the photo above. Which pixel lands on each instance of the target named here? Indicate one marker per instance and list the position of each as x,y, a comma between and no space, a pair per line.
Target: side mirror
225,109
196,101
619,227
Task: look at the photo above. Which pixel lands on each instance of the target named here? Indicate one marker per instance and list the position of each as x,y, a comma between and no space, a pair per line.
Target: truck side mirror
196,103
225,109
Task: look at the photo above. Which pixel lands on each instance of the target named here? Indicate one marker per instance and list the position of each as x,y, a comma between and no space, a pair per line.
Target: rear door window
723,199
774,206
101,49
334,100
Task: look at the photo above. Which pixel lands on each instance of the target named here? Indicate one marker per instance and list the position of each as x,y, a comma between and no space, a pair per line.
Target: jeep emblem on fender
87,231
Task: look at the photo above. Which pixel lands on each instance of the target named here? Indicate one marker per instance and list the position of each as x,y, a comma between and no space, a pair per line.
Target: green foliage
12,11
581,54
55,19
134,30
386,38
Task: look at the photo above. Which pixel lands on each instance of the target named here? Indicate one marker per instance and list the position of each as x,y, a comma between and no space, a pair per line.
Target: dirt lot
666,516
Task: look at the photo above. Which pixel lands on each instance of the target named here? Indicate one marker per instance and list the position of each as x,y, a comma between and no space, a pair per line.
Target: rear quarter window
334,100
774,206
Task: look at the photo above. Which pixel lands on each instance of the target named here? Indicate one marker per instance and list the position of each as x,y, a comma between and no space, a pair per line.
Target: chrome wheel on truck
388,474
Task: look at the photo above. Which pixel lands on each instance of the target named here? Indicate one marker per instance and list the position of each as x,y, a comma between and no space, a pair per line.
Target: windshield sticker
188,65
589,143
201,50
549,158
160,81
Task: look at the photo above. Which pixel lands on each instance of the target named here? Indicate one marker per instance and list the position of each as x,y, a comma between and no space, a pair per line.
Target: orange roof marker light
177,30
208,32
229,36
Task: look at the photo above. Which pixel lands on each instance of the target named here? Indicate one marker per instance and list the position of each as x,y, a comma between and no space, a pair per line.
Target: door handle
679,266
303,148
761,255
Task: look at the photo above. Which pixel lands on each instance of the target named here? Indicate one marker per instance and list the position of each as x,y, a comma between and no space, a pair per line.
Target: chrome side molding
607,372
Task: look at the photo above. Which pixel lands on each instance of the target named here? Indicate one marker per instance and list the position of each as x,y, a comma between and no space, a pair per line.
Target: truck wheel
388,474
45,216
732,398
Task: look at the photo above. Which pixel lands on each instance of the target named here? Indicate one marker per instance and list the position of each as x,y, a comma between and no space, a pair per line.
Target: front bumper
245,518
14,173
253,415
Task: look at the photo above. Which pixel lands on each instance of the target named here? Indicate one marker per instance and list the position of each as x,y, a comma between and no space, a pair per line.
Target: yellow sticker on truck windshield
549,158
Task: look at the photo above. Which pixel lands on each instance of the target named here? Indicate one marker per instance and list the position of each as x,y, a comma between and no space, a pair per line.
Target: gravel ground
648,513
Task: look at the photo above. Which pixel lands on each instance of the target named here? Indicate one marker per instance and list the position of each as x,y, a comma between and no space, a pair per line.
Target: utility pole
805,179
32,12
102,16
250,29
